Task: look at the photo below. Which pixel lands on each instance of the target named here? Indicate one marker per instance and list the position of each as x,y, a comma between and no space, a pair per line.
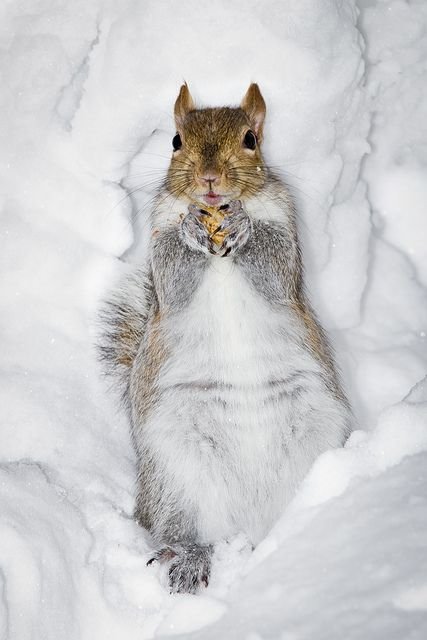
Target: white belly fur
232,451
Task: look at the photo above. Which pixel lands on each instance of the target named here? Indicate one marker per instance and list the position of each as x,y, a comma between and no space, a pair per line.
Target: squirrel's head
216,152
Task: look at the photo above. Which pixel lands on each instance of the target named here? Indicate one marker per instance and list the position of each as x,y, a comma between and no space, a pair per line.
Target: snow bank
86,106
355,570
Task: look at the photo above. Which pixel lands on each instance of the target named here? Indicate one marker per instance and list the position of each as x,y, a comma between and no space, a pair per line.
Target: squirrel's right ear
183,105
253,105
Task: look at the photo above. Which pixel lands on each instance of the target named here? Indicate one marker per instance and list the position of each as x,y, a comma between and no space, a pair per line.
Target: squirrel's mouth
213,199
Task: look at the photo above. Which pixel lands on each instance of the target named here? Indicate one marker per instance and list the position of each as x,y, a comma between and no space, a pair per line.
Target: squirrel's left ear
254,106
183,105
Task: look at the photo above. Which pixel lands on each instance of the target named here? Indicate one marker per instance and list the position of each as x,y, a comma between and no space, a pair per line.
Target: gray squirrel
226,373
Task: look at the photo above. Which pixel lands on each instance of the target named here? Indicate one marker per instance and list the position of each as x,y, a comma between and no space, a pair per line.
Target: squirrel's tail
123,319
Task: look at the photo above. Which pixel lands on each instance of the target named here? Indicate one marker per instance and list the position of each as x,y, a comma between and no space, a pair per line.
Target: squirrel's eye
249,141
176,142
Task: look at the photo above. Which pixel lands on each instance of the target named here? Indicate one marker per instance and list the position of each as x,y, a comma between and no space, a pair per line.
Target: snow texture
86,100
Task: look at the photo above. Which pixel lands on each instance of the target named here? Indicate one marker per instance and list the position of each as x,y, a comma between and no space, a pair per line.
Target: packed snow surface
86,124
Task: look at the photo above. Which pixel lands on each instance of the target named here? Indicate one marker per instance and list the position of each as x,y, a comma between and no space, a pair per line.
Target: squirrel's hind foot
189,566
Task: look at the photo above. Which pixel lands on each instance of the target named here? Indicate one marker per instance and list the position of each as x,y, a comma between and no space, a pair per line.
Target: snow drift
86,104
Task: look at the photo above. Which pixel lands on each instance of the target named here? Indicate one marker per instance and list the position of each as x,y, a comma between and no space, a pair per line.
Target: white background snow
87,90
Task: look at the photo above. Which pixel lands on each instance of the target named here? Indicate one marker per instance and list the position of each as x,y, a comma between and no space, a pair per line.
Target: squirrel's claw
188,566
194,232
239,229
236,223
166,554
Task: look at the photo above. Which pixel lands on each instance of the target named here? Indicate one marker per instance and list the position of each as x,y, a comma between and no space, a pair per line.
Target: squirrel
227,375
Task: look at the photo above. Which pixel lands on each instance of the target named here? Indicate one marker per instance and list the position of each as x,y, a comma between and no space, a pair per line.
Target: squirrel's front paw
238,227
194,232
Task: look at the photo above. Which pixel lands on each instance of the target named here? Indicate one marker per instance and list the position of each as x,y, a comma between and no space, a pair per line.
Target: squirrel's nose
211,179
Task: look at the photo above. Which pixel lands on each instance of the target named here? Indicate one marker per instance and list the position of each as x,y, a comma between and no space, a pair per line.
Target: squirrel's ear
183,105
254,106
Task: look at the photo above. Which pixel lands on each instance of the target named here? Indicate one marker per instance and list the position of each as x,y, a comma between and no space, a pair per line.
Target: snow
86,118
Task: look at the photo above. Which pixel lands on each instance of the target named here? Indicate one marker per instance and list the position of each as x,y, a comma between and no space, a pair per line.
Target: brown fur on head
217,150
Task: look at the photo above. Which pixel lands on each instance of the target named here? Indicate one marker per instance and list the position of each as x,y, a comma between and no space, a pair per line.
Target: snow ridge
86,104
